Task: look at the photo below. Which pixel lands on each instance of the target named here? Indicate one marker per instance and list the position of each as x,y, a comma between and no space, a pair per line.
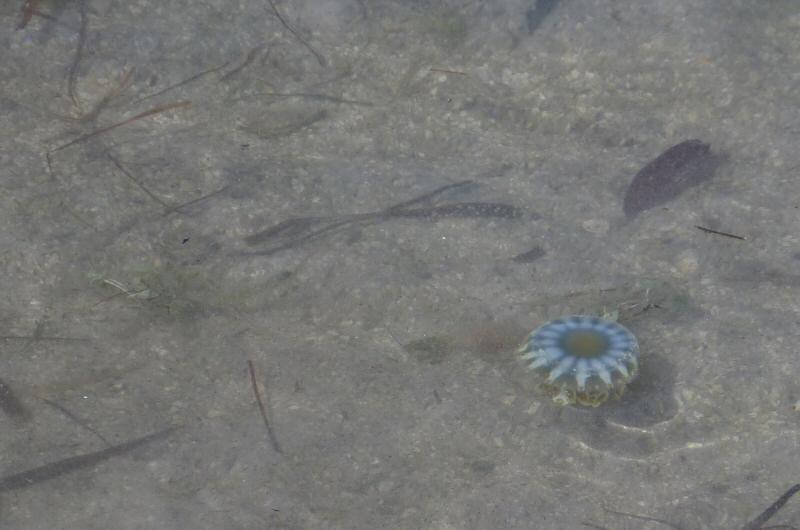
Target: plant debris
155,110
56,469
297,230
755,524
262,408
677,169
717,232
767,514
320,59
76,419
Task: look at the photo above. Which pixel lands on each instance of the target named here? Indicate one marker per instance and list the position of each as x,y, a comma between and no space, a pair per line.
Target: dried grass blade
155,110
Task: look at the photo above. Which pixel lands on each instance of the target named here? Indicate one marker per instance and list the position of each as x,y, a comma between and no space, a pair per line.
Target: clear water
372,203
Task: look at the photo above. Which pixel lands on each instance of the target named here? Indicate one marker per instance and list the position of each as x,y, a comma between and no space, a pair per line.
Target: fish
670,174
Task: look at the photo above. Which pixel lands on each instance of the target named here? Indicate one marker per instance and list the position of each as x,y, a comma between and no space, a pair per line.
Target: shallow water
147,147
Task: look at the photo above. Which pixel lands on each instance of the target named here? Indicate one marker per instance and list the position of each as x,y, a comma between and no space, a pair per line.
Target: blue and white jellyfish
584,359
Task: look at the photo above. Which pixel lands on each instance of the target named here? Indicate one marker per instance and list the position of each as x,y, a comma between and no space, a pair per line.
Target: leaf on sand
670,174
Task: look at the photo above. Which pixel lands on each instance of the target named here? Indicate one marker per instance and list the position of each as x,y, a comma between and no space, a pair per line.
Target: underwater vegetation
31,477
670,174
171,290
298,230
584,360
755,524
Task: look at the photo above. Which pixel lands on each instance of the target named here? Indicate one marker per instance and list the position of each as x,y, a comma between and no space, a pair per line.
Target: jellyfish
582,359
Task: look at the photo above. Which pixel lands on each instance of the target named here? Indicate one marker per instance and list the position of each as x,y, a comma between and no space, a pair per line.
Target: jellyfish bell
582,359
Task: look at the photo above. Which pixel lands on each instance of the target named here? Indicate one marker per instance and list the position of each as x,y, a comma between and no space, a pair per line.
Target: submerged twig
133,179
755,524
717,232
155,110
294,32
198,200
72,74
168,208
767,514
251,55
186,81
56,469
69,414
262,408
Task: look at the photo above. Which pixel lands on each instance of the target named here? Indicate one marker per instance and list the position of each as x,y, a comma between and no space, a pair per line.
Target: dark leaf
670,174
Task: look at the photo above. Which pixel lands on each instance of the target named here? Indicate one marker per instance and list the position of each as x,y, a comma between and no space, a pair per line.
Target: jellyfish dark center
584,343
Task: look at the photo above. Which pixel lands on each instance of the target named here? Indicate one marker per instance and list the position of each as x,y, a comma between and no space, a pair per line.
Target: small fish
670,174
